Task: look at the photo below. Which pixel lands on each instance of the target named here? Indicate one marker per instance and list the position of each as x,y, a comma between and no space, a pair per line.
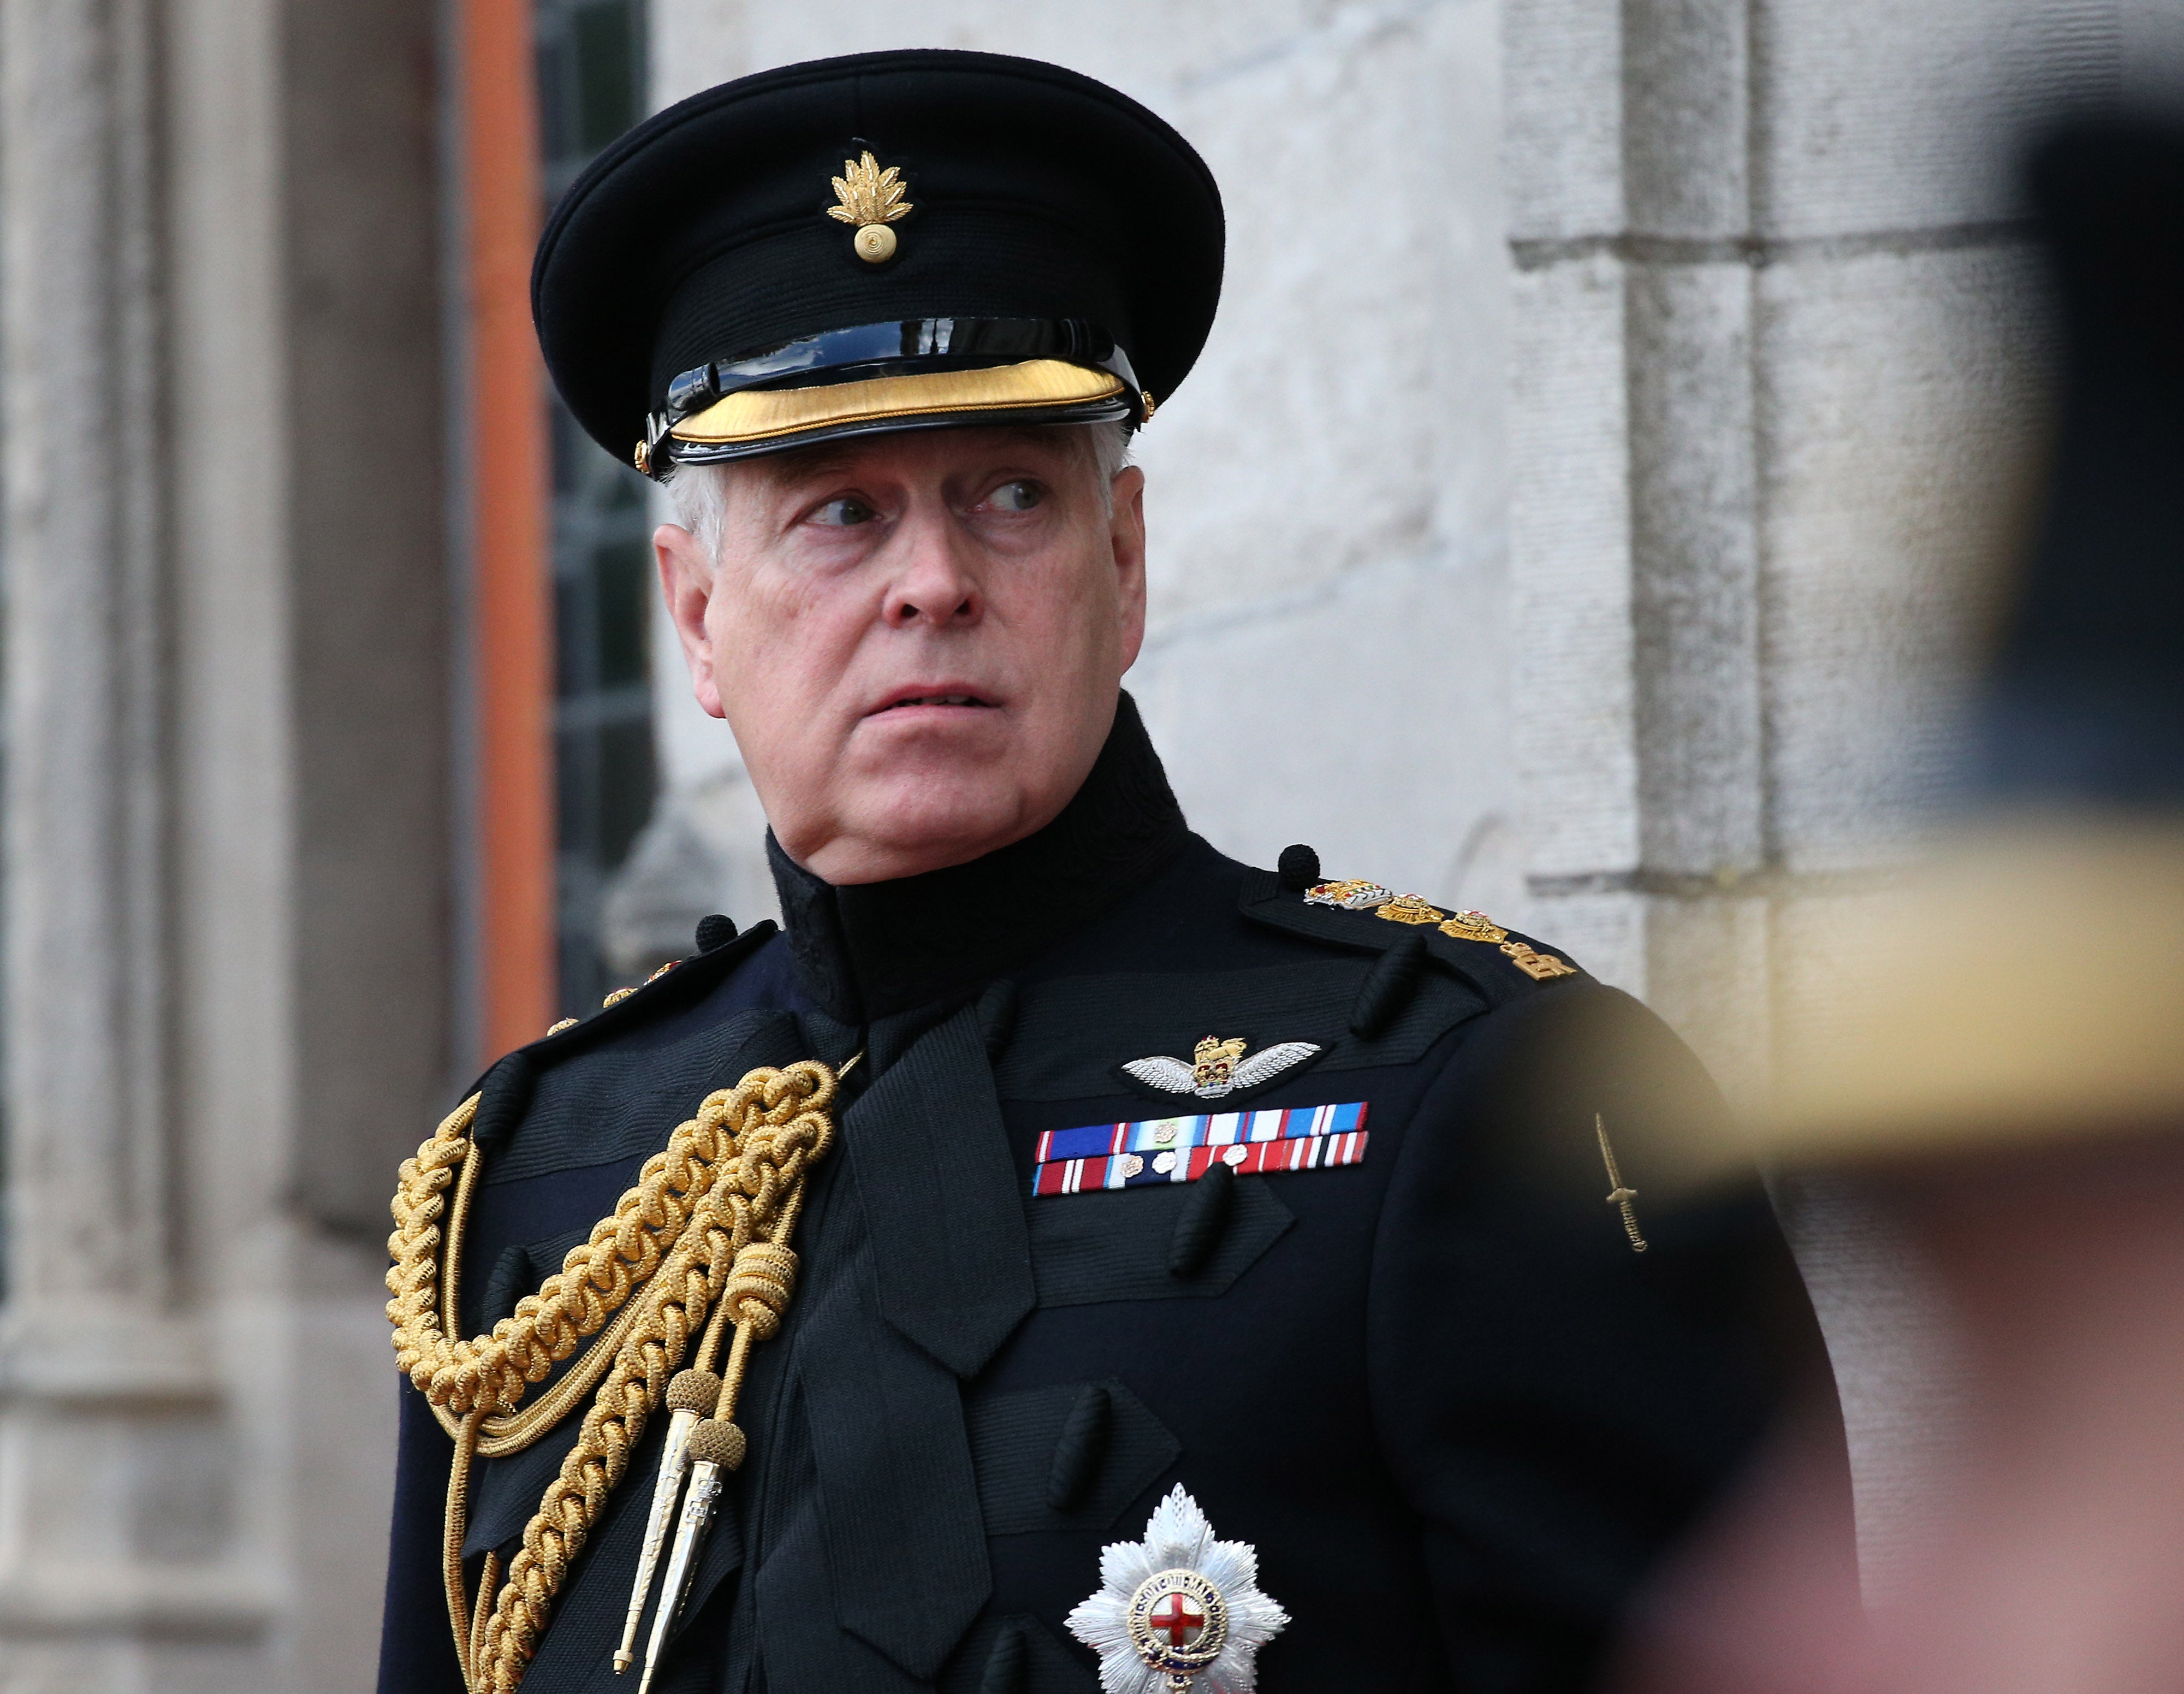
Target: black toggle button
1388,987
1198,1230
1007,1667
997,1016
1083,1446
1298,868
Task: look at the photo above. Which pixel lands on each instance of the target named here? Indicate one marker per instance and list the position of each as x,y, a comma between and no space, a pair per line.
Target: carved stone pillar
226,840
113,1533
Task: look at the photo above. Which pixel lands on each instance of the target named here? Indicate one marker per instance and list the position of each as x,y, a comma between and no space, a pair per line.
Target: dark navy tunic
1459,1418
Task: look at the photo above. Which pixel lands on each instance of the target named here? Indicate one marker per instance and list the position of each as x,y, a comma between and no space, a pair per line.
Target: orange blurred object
508,531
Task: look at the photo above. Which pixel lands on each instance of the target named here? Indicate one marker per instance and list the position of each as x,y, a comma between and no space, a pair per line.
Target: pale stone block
1687,123
1874,116
1364,720
693,44
1346,410
1138,46
1570,544
1902,405
1563,142
1695,568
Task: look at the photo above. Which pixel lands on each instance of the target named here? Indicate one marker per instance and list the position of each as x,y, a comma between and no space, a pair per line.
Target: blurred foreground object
2008,1069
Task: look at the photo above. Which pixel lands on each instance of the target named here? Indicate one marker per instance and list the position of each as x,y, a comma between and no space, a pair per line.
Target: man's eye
849,510
1016,497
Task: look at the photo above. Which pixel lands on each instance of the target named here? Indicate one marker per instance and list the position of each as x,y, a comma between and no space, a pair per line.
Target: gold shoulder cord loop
699,1240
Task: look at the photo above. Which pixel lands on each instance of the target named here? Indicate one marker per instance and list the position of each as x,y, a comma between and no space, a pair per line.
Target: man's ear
686,579
1127,536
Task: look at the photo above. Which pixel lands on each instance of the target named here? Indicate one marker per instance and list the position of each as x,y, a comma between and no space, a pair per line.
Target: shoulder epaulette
1500,963
673,985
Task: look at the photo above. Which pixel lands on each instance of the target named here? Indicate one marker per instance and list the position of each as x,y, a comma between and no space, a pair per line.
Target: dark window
591,88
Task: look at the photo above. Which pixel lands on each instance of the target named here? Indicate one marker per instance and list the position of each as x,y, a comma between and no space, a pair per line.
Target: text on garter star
1177,1606
1219,1067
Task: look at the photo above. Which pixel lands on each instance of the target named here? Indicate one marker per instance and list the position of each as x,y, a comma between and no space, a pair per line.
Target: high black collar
873,949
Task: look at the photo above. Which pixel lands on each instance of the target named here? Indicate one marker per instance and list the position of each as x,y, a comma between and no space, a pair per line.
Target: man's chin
928,823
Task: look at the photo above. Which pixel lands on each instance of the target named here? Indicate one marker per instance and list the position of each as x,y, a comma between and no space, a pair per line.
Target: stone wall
227,933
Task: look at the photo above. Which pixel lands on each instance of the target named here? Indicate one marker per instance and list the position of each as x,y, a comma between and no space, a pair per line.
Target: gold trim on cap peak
765,413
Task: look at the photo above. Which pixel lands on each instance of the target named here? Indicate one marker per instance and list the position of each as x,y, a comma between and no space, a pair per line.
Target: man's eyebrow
806,465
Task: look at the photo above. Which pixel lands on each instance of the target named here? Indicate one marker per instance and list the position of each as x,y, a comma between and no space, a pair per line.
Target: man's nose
933,581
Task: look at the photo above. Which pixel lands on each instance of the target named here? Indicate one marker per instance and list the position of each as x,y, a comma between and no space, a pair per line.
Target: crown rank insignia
1353,895
1177,1606
1219,1067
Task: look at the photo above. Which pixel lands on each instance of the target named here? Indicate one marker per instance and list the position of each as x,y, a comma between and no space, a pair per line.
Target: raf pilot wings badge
1219,1067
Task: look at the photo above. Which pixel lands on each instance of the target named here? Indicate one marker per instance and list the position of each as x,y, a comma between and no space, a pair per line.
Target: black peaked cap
1036,194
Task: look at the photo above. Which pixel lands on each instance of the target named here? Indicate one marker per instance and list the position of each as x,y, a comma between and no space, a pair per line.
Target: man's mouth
934,699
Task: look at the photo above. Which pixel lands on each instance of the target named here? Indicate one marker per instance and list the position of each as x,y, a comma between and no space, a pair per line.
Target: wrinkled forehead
927,454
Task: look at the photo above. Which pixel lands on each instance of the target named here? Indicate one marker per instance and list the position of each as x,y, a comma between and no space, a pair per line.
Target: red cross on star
1176,1615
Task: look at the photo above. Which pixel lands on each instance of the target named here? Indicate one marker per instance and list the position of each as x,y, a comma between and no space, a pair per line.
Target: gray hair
699,492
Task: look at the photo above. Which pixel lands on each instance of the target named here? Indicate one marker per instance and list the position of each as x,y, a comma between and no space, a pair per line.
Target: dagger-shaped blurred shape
692,1396
714,1449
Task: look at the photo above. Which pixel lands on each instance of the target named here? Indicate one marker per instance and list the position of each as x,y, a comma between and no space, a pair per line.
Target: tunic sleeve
416,1646
1558,1406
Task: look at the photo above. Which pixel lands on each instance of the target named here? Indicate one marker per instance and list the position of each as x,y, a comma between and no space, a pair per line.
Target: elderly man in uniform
1067,1258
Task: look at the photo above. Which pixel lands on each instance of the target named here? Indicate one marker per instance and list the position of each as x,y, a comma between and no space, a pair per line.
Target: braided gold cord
488,1589
704,1229
455,1529
594,1280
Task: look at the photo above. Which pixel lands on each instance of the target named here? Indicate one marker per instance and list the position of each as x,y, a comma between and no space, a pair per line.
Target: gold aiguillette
714,1447
692,1395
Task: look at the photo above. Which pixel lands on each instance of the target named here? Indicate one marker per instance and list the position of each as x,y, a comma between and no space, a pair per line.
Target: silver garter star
1176,1607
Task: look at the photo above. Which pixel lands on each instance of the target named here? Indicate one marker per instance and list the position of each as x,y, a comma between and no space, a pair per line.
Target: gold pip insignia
1177,1606
1410,909
1540,968
1473,925
871,198
1350,896
1219,1067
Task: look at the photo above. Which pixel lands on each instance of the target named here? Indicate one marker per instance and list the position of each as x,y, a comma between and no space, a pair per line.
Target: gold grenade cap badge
871,198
